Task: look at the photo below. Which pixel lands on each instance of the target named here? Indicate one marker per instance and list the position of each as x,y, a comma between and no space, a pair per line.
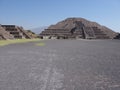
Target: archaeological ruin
4,34
12,32
77,28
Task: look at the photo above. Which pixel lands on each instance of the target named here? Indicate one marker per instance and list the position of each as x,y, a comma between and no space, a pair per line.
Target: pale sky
36,13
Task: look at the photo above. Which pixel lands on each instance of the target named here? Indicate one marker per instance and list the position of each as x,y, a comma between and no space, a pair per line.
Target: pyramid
15,31
4,34
78,28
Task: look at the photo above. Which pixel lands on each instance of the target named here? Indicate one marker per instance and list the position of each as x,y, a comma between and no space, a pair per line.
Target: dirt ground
61,65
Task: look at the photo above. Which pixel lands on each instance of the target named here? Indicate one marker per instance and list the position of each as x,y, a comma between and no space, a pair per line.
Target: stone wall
4,34
15,31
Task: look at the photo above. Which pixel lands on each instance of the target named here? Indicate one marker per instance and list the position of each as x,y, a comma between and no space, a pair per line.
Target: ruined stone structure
77,28
117,36
4,34
32,34
13,32
56,33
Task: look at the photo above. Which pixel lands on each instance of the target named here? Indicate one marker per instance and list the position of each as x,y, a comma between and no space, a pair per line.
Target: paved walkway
61,65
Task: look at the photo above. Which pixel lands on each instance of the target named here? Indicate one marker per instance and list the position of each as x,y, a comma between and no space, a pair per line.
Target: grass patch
40,44
7,42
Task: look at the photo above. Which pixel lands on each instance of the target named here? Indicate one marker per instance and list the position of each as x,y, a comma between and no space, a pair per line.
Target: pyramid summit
78,28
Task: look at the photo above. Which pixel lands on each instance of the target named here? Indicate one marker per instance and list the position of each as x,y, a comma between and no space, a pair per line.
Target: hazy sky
36,13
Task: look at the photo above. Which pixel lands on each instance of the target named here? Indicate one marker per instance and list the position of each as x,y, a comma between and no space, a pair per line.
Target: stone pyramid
78,28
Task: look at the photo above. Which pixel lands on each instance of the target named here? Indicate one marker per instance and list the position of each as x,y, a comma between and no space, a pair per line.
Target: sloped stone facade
4,34
14,31
78,28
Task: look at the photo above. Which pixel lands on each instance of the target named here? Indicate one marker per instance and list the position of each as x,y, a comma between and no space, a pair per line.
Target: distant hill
31,34
38,30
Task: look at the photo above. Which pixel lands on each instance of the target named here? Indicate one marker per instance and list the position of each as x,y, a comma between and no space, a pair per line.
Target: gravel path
61,65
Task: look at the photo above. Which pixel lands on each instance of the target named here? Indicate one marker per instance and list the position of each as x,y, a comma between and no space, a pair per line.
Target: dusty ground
61,65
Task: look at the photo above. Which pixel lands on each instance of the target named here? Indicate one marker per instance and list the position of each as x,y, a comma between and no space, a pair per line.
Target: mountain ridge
38,30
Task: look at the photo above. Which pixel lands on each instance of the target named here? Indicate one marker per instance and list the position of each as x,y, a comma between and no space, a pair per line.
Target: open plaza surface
61,65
